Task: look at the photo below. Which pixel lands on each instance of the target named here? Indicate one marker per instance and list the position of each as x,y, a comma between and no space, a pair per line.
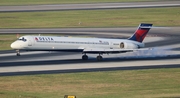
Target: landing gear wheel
99,58
18,53
84,57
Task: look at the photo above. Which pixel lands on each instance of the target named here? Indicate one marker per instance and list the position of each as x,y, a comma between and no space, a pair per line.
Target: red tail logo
141,32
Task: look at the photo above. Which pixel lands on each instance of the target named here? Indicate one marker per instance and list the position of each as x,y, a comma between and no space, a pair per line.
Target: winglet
141,32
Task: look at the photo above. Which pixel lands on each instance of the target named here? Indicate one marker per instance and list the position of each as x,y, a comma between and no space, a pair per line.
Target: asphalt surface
78,61
89,70
92,6
162,31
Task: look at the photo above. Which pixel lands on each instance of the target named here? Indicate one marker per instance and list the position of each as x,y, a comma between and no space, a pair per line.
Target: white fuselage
52,43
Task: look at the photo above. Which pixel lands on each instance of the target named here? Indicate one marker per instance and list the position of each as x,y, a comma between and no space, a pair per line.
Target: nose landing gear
18,53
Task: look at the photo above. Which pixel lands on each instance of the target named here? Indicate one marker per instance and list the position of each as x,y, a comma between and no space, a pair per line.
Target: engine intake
125,45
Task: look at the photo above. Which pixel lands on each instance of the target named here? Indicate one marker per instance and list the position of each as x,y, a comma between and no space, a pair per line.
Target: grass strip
161,83
91,18
6,40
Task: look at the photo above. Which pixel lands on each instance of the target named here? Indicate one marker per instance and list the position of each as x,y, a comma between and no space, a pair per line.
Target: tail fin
141,32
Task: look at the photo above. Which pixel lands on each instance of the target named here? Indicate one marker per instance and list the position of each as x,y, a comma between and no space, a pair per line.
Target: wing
101,50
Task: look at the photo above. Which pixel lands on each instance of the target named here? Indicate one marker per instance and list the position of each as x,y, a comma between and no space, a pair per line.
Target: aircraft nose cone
14,45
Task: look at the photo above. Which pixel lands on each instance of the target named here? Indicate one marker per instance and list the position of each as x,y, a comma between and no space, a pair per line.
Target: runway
58,63
64,62
91,6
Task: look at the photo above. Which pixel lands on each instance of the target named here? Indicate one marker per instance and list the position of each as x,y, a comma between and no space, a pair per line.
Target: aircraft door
29,42
111,45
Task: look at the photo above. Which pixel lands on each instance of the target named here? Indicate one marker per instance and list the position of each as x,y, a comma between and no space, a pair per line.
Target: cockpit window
22,38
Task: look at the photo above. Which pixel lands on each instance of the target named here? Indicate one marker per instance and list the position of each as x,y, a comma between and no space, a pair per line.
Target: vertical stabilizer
141,32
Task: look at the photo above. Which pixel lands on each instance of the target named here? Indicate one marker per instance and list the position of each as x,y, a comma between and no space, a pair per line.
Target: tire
84,57
99,58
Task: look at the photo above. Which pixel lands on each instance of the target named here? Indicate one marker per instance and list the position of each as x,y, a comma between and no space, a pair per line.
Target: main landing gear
84,57
99,57
18,53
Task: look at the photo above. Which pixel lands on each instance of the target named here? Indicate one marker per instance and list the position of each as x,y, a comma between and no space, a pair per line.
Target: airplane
84,45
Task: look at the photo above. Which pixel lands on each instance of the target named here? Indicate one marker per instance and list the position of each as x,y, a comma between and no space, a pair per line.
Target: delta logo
44,39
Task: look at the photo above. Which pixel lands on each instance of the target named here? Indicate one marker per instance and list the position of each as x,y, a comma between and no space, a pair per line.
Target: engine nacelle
125,45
